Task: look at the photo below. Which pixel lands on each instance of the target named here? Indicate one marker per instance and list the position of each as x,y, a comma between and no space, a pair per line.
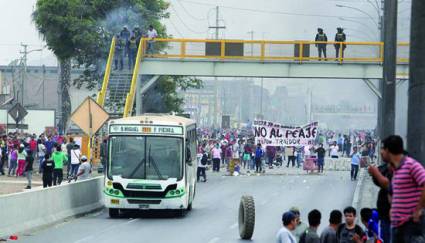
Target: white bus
151,164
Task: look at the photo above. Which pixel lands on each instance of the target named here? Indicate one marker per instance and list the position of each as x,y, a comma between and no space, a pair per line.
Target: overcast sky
271,19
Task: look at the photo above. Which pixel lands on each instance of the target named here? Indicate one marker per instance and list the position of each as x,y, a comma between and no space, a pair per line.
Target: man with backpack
321,37
340,37
202,164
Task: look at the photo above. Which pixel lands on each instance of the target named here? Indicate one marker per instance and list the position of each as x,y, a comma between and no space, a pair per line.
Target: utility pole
389,68
43,84
416,109
251,33
217,27
24,71
261,99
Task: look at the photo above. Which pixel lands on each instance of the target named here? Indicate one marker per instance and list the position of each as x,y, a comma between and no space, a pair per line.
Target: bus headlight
175,193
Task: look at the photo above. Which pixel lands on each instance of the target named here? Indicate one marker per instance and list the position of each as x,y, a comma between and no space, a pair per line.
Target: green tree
79,34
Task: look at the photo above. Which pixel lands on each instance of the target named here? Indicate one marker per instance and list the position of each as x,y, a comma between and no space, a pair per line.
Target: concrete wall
26,210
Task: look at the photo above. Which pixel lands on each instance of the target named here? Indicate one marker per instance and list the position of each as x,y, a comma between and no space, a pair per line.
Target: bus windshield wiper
143,161
155,166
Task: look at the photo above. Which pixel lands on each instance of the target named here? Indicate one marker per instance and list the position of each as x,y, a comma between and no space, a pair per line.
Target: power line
175,28
189,14
273,12
187,27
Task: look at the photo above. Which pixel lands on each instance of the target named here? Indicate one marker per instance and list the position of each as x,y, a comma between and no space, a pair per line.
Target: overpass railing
265,50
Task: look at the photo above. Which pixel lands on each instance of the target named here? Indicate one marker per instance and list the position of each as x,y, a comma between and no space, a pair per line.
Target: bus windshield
145,157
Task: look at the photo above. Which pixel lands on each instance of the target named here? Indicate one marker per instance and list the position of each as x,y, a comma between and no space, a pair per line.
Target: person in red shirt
33,146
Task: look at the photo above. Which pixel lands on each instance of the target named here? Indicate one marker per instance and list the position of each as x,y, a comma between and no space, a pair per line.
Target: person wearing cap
322,38
85,169
340,37
284,235
301,226
125,37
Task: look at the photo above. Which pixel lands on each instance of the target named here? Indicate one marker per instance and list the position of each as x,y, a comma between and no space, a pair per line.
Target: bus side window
190,146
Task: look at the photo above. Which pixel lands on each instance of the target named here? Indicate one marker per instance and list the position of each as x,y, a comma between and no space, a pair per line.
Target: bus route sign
168,130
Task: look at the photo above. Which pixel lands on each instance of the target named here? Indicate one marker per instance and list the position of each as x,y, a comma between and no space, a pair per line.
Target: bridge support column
416,108
390,62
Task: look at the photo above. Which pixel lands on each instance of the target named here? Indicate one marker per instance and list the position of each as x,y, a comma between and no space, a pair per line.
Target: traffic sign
18,112
17,126
89,116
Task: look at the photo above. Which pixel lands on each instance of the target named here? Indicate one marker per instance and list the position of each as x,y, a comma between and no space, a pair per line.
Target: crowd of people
235,149
53,154
398,218
337,231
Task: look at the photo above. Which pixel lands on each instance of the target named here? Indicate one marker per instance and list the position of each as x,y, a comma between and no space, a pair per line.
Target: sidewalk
367,192
12,184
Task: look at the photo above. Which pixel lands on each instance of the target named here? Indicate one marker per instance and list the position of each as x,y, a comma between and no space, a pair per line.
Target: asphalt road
215,212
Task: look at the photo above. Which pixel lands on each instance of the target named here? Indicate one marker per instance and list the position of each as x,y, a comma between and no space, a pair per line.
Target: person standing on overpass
321,37
340,37
152,34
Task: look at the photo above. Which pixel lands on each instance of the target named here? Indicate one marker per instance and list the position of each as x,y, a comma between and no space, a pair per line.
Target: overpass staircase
118,93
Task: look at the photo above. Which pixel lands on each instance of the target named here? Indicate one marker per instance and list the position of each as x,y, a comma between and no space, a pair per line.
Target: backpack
204,159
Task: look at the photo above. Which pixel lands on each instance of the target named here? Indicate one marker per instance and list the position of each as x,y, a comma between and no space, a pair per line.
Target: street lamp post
359,10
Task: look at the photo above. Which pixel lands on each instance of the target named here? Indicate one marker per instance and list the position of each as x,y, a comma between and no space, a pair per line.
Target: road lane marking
213,240
87,238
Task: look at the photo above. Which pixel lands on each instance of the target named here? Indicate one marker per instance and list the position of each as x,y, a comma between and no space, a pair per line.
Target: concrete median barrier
340,164
26,210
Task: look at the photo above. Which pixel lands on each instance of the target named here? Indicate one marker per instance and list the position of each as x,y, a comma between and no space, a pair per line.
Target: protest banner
273,134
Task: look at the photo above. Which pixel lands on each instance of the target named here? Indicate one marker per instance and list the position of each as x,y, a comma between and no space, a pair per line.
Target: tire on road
114,213
246,217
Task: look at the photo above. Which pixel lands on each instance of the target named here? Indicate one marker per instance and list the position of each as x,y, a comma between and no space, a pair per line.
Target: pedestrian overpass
254,58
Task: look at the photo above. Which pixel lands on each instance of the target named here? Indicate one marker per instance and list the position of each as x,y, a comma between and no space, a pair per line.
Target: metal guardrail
264,50
259,50
102,94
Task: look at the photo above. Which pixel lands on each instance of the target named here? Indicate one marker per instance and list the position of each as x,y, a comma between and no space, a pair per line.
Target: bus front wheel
114,213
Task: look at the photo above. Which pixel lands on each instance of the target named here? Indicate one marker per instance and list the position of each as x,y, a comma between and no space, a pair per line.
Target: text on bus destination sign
146,129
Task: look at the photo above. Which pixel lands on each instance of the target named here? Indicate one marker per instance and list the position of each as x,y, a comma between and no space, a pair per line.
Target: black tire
246,217
114,213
